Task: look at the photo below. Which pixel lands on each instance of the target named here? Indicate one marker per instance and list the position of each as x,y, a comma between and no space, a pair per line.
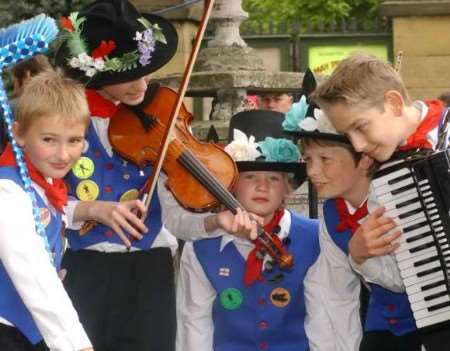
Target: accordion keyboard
416,193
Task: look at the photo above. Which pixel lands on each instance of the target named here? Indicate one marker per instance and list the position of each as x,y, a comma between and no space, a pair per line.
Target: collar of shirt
350,208
423,108
244,246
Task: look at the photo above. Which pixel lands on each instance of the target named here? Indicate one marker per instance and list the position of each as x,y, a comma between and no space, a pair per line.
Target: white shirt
341,286
196,296
176,220
383,270
27,262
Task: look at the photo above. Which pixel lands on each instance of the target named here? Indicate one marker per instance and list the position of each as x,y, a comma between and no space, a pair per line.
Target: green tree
311,11
13,11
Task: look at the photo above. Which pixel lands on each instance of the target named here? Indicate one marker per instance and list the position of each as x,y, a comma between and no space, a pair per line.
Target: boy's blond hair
360,79
50,94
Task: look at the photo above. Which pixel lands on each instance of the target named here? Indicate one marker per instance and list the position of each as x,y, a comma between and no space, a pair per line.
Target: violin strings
209,181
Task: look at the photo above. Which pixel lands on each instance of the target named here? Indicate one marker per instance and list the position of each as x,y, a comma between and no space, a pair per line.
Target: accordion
415,191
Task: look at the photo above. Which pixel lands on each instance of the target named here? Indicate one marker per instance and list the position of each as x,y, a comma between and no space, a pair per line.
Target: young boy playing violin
50,124
231,296
121,269
367,101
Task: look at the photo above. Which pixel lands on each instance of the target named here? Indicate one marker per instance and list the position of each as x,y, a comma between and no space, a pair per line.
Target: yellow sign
324,59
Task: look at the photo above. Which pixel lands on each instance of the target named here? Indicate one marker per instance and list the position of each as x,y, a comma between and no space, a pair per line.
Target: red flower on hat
104,49
66,23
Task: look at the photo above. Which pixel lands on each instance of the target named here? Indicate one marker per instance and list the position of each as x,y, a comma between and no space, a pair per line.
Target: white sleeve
195,298
381,270
332,288
182,223
318,326
27,263
70,209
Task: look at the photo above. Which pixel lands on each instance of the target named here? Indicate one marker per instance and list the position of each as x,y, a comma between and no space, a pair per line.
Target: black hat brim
163,53
318,135
298,169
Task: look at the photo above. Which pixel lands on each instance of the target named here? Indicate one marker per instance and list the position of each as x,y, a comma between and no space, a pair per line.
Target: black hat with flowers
306,120
110,42
256,141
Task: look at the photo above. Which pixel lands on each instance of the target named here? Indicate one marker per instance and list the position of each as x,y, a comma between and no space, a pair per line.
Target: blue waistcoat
12,307
113,177
270,313
387,310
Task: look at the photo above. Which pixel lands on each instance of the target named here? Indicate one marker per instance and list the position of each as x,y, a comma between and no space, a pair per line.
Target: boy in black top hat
231,296
123,289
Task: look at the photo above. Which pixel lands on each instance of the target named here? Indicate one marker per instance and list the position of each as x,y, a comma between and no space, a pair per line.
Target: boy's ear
393,100
17,135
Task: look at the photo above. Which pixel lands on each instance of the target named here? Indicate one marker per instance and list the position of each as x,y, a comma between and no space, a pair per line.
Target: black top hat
110,42
306,120
257,143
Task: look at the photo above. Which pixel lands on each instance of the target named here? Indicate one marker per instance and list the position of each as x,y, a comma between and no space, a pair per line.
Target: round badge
87,190
129,195
231,299
83,168
280,297
45,216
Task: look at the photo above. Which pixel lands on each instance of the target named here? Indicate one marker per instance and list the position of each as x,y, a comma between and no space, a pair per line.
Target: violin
188,163
199,174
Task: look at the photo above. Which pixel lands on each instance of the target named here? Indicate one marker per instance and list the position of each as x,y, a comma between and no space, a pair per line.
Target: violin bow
151,183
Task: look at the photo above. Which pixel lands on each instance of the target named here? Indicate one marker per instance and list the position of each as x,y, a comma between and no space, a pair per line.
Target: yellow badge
45,216
280,297
87,190
129,195
83,168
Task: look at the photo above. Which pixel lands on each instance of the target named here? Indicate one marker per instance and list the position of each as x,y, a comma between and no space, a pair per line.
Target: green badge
83,168
231,299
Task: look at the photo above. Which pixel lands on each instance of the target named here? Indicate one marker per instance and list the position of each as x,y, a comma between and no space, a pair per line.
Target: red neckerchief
56,193
419,139
347,220
253,265
100,106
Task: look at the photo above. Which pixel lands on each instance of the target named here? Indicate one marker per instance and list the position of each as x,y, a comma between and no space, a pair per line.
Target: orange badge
280,297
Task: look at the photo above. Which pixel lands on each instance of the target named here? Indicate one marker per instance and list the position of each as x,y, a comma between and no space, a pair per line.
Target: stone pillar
227,52
421,29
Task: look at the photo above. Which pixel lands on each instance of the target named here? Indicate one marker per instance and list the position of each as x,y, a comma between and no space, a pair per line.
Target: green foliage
311,11
13,11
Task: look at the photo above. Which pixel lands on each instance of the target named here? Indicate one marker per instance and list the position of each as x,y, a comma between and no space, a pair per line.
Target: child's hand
242,224
121,217
371,238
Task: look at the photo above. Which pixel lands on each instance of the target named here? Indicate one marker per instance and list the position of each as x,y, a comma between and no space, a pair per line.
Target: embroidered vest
269,313
12,307
96,176
387,310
